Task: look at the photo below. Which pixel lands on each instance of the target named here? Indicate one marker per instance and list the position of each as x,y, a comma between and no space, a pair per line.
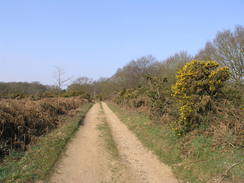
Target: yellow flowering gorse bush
198,83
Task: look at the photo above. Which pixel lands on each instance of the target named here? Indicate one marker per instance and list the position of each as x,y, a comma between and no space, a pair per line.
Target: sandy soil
144,165
86,159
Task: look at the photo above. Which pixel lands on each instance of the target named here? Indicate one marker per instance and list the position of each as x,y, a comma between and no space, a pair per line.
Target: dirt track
86,159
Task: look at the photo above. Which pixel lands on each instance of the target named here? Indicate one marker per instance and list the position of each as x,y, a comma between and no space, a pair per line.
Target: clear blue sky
95,37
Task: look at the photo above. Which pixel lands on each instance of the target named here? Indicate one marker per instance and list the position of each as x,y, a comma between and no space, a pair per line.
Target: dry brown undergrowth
23,121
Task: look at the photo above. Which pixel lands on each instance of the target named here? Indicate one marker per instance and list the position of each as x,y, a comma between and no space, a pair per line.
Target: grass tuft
106,133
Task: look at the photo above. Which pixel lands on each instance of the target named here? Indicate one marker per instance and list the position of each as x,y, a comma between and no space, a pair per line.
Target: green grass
36,163
106,133
192,158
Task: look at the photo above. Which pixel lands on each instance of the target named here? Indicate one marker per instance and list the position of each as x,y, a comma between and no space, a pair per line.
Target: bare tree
169,67
207,53
60,78
132,75
82,85
83,81
228,49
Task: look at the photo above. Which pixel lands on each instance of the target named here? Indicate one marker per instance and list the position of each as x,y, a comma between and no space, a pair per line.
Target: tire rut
143,164
87,160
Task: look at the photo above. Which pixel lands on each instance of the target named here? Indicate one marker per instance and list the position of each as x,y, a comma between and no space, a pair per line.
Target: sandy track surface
144,165
86,159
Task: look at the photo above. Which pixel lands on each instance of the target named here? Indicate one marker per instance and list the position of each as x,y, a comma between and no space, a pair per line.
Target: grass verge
106,133
203,164
36,163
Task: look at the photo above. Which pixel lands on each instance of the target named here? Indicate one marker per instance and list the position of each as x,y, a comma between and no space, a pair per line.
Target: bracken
23,121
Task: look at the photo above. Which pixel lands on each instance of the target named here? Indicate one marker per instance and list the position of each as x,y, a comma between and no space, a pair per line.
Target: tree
82,85
14,89
104,88
60,79
172,64
132,75
228,49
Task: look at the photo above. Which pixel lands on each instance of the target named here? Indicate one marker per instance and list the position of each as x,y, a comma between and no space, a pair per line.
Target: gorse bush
130,97
156,93
152,96
198,84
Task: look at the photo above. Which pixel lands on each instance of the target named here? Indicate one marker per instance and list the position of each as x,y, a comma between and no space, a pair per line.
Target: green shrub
198,85
234,93
156,93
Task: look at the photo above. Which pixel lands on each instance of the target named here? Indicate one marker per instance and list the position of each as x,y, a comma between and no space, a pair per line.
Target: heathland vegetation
36,122
195,105
187,109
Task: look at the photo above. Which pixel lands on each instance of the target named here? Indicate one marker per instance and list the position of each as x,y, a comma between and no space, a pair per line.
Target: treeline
18,90
227,48
195,103
198,99
14,89
188,92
